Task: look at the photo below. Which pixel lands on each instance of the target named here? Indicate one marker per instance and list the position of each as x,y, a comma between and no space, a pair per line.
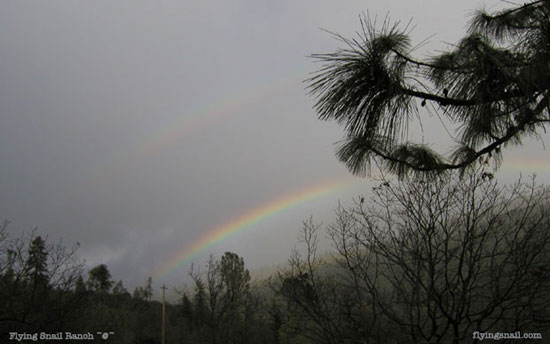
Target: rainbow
208,114
526,165
216,235
193,121
241,223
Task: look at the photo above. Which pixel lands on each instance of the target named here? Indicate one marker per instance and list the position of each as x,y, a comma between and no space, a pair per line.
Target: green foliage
99,279
42,289
234,278
36,284
494,85
119,289
144,292
225,306
37,262
148,289
426,260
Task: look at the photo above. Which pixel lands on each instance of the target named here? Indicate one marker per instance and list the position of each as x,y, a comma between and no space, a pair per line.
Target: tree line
435,256
419,261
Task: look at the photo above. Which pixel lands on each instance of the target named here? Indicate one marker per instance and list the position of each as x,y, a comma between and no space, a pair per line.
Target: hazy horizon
141,129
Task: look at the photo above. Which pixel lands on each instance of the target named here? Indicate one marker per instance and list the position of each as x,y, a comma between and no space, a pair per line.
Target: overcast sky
135,127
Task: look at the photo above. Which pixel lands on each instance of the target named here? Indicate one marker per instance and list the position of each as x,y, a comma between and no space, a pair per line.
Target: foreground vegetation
431,258
492,89
423,260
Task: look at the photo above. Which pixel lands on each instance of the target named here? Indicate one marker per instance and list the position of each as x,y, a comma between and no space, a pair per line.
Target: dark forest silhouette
423,260
429,258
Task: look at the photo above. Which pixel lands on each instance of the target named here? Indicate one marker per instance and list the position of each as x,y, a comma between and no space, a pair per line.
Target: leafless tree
37,280
431,261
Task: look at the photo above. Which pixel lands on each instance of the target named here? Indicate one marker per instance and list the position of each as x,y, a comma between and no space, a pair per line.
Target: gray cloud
90,90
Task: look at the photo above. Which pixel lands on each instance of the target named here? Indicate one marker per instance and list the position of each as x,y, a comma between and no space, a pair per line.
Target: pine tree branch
511,132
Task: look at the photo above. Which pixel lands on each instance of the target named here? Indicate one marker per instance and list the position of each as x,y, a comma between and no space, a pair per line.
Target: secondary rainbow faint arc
245,221
188,124
205,115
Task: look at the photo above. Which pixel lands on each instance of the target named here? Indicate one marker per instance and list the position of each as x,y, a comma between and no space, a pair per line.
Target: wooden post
163,312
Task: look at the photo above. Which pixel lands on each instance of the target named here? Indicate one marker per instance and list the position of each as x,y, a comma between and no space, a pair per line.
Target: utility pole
163,312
